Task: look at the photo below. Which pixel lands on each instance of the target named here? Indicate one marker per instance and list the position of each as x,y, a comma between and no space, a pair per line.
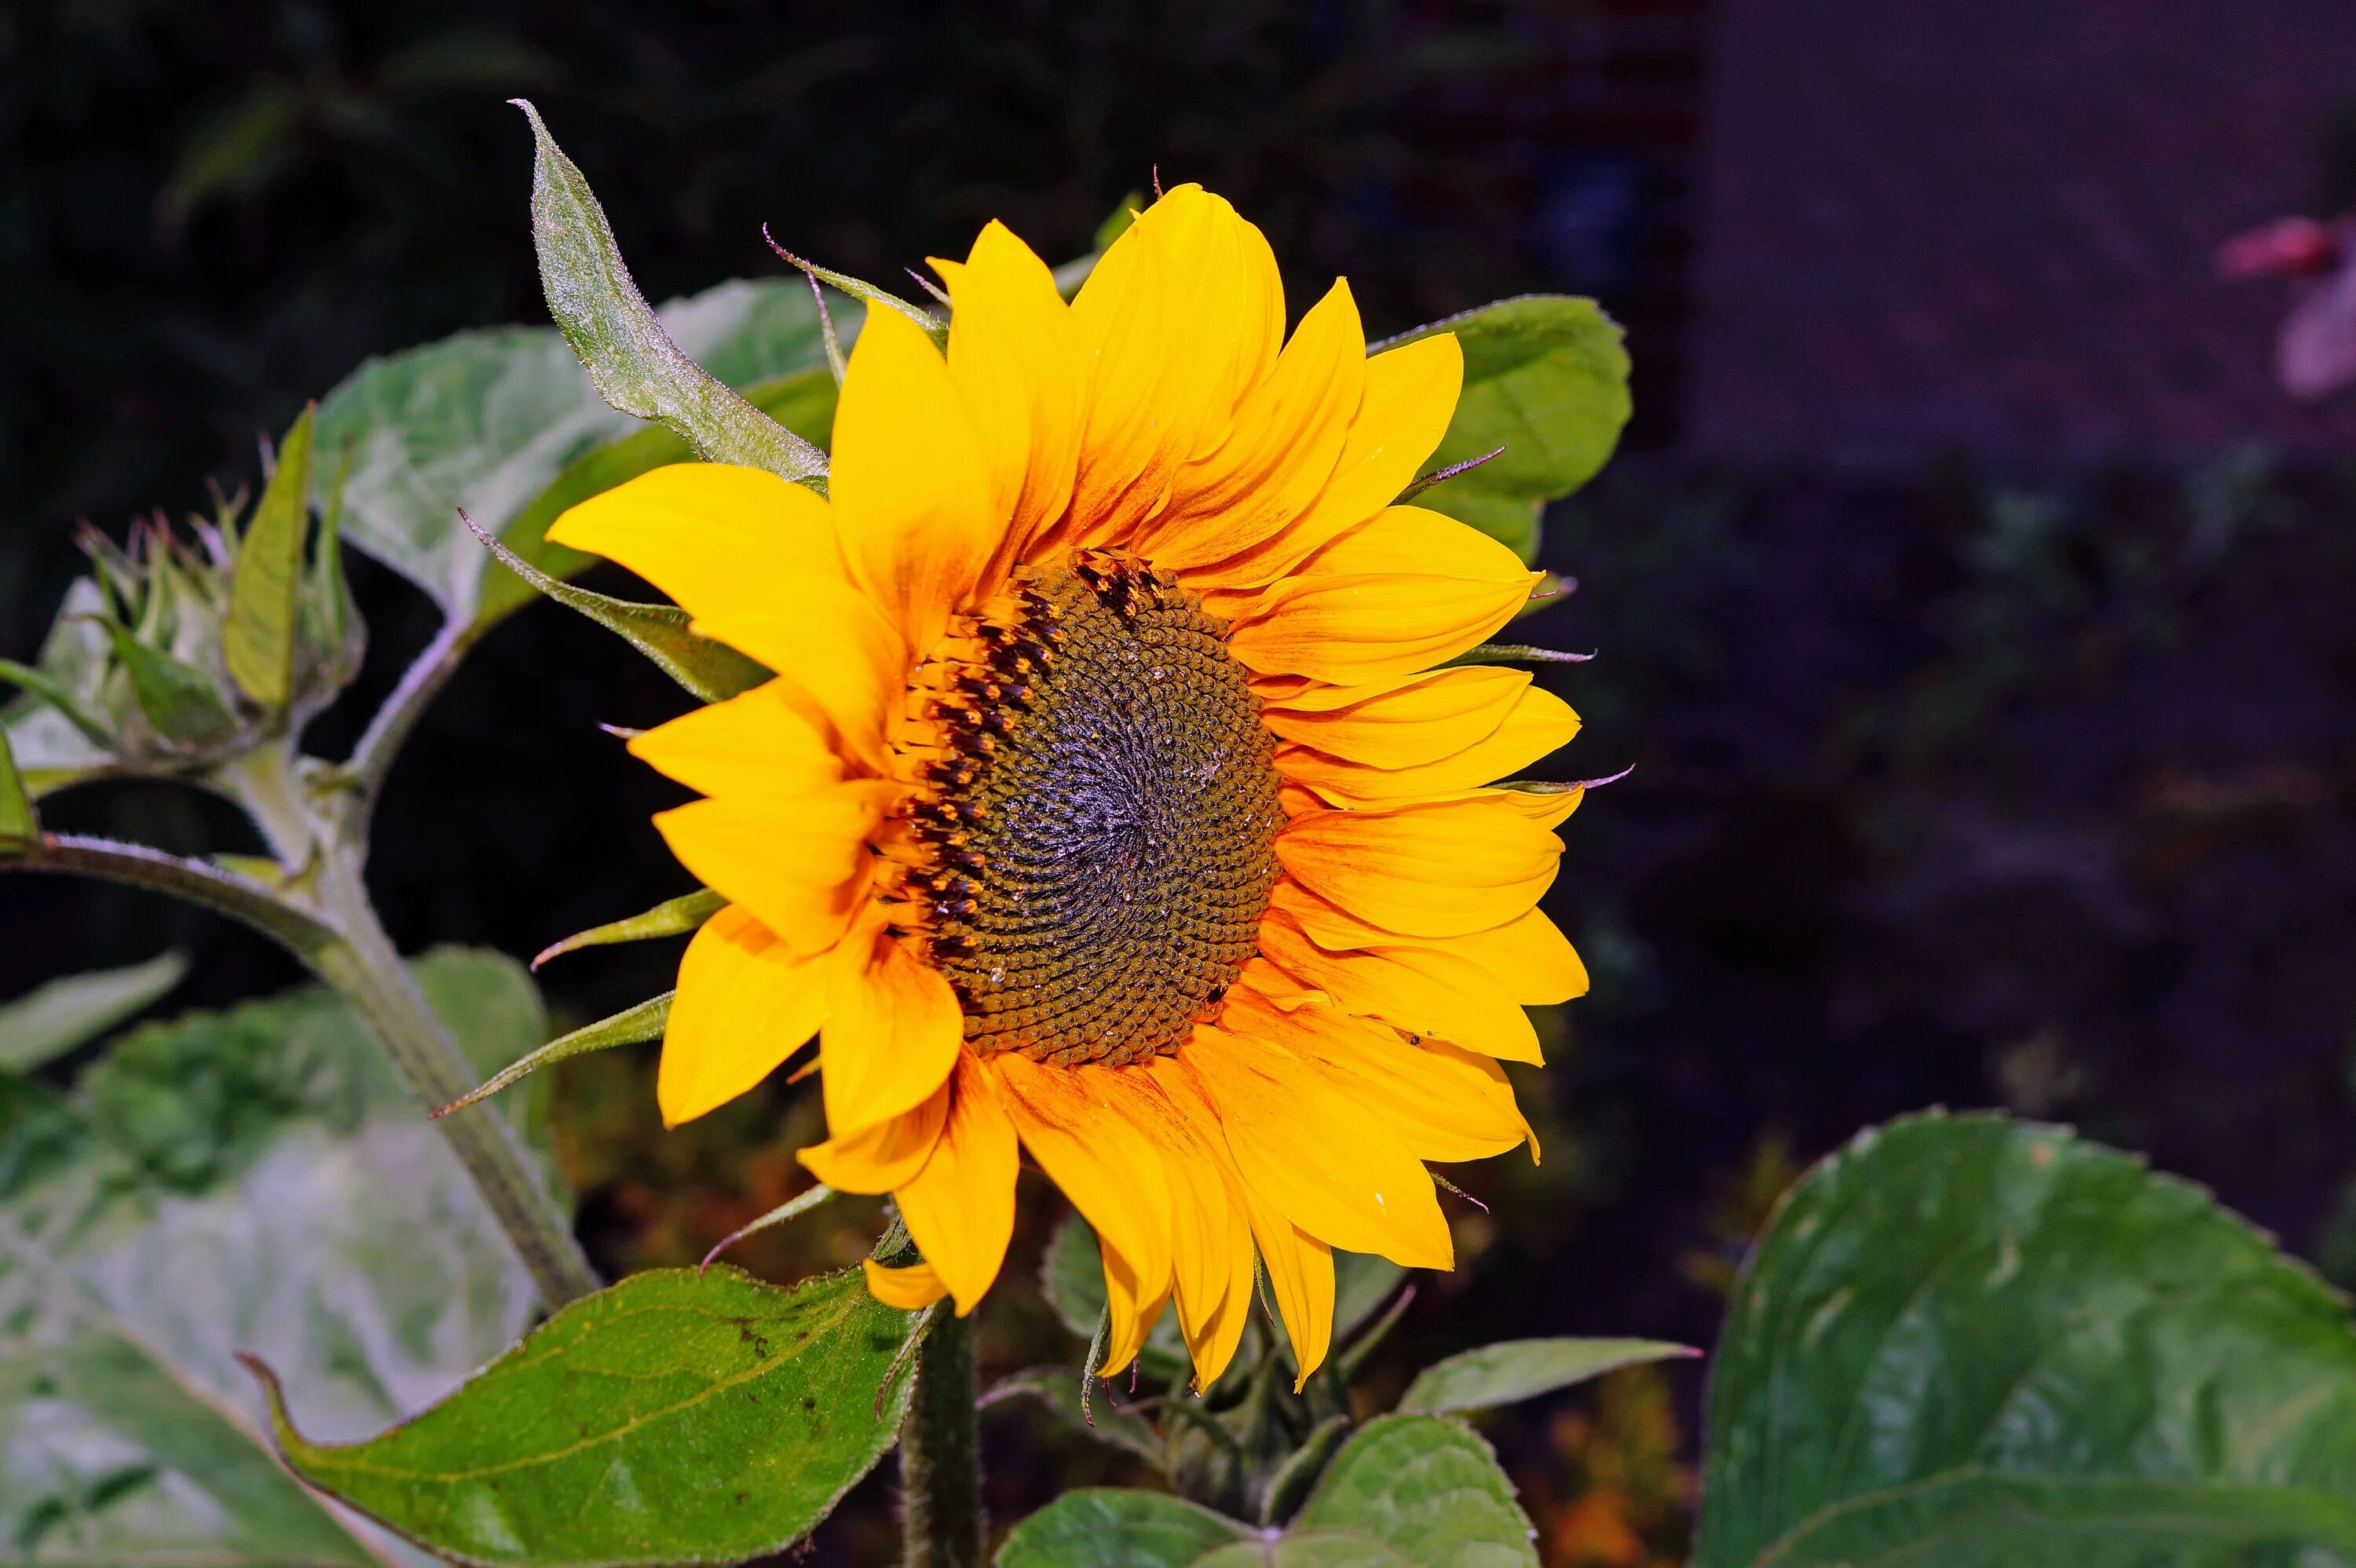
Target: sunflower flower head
1114,801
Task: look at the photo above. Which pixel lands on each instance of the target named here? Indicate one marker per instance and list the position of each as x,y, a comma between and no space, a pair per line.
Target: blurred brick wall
1987,224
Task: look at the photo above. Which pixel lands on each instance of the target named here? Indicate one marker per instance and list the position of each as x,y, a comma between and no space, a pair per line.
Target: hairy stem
371,757
940,1455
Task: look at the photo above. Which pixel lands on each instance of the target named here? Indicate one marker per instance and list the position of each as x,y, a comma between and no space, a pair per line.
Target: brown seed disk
1115,841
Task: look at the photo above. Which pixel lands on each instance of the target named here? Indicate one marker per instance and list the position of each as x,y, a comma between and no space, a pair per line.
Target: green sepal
867,293
680,1416
39,684
177,699
266,587
712,672
631,1026
1515,652
672,917
19,823
631,359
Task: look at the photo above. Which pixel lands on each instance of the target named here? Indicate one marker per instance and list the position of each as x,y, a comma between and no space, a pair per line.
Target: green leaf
18,824
58,730
177,699
672,917
1546,377
489,420
1514,1370
634,364
258,639
256,1177
1974,1343
48,1021
1407,1491
1104,1527
1426,1488
678,1417
631,1026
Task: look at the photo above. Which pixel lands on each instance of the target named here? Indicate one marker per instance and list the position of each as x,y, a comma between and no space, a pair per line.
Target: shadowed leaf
52,1020
1515,1369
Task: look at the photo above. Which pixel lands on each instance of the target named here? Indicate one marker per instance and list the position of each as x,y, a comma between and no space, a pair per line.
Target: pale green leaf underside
52,1020
1515,1369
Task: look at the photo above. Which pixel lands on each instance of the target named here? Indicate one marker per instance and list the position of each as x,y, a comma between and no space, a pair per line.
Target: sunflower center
1102,840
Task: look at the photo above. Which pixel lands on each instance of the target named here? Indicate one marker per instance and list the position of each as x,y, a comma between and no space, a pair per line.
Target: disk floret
1096,809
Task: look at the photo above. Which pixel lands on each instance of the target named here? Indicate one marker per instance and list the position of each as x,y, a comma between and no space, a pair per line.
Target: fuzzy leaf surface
1515,1369
253,1177
1546,377
1977,1343
1107,1527
678,1417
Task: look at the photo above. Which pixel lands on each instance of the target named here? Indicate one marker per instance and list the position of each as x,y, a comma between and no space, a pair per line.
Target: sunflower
1114,800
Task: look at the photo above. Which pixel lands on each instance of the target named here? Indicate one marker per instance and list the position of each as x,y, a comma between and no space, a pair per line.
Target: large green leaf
683,1415
1515,1369
51,1020
1546,377
1972,1343
1407,1491
490,419
254,1179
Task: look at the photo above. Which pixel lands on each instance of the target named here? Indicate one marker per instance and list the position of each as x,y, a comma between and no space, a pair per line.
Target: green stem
940,1455
361,962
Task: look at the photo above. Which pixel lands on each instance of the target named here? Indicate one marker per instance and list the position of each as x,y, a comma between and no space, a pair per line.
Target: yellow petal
757,746
1399,725
1419,989
1070,1120
1444,869
1397,594
797,864
1538,724
1014,355
1527,958
1440,1105
713,536
1287,436
883,1158
744,1005
910,1289
961,1207
910,490
892,1037
842,663
1182,316
1312,1152
1221,1284
1409,396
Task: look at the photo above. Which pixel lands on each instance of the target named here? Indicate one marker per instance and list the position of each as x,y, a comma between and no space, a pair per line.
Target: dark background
1973,608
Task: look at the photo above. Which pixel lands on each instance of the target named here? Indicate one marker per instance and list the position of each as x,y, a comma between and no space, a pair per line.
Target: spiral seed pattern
1102,824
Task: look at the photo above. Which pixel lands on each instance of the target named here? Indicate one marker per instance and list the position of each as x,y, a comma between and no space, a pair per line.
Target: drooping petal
1431,869
884,1156
1538,724
911,1289
893,1034
910,489
1068,1119
1288,436
797,863
1183,316
1014,355
1409,396
1419,989
1397,594
961,1207
1317,1155
1214,1307
744,1004
1404,723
